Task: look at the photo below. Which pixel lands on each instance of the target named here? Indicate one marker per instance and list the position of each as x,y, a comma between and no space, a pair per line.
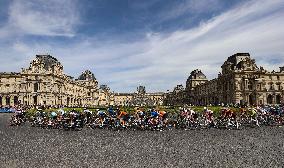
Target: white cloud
161,61
254,27
41,17
191,6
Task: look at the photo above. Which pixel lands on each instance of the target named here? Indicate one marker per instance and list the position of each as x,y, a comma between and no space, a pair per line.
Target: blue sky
127,43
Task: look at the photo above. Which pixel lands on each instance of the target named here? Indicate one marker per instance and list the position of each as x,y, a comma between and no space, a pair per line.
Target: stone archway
278,99
269,99
252,99
35,87
8,101
68,101
16,100
34,100
72,102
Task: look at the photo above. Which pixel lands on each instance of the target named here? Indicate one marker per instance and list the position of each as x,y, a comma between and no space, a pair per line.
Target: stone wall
241,82
44,83
139,98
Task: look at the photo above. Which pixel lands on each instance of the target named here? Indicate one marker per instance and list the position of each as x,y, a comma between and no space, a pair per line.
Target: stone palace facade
139,98
241,82
44,83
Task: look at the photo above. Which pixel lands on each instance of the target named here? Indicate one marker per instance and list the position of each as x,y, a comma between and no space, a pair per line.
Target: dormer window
250,85
271,87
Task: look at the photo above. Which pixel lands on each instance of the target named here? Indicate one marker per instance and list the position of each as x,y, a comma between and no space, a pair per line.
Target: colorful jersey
101,113
122,114
154,114
141,113
111,112
162,113
53,114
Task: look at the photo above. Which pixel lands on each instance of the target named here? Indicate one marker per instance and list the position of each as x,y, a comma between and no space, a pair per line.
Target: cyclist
111,112
163,116
154,117
123,116
101,115
19,114
53,115
139,114
253,116
208,114
87,115
154,114
193,116
184,113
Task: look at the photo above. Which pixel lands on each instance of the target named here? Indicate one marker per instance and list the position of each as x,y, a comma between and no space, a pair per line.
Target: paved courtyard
34,147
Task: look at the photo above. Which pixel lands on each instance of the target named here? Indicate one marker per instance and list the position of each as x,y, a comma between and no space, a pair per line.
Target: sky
127,43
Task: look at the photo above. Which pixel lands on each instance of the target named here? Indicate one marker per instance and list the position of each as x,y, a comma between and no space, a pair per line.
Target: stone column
264,98
21,99
7,103
3,100
12,100
30,101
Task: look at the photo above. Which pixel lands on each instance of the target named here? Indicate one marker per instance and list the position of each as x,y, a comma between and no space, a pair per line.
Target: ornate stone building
176,97
106,97
139,98
241,82
44,83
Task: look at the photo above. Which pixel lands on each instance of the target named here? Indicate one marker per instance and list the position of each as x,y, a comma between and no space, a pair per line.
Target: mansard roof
48,61
239,61
237,58
197,74
87,75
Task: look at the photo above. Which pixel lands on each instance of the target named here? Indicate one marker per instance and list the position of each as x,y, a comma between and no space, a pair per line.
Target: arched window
8,101
16,101
68,101
35,100
271,87
269,99
251,99
278,99
250,85
35,87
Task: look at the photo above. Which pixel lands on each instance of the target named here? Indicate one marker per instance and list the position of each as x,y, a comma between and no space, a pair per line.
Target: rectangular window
278,86
258,87
35,87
